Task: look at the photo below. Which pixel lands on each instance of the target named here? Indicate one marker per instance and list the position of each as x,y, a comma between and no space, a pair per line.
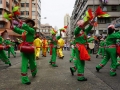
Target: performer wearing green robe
10,47
81,53
110,51
101,48
54,40
3,55
73,69
72,51
27,32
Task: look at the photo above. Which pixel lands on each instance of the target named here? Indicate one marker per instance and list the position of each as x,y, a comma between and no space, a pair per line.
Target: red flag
100,13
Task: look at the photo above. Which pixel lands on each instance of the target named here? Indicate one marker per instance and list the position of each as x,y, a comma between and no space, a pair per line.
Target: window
27,4
22,12
7,4
114,8
100,31
104,8
43,30
101,21
22,4
0,1
33,12
46,30
2,25
0,12
27,12
33,4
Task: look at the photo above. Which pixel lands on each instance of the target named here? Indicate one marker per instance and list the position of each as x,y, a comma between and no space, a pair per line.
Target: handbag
26,47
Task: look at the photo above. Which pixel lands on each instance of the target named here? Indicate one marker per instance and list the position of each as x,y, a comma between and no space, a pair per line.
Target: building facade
31,9
6,6
112,7
45,30
66,23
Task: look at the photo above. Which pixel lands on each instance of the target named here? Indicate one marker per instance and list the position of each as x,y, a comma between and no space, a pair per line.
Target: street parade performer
27,49
72,55
110,50
10,47
3,55
101,48
54,40
44,46
61,43
81,53
37,44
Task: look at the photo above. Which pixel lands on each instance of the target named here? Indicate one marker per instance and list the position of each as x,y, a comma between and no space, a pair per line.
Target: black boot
28,83
9,64
71,71
96,56
97,69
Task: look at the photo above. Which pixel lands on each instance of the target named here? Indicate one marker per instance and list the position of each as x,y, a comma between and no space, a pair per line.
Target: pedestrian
110,51
65,46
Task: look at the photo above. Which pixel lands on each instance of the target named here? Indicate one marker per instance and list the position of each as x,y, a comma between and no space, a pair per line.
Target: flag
89,15
100,13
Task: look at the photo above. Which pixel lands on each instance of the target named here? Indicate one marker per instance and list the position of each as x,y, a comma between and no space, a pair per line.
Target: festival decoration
62,29
16,10
100,13
88,16
53,31
7,16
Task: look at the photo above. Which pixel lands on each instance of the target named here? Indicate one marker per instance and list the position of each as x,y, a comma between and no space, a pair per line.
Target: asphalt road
58,78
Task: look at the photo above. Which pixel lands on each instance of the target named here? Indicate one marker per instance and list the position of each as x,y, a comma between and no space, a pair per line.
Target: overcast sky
55,11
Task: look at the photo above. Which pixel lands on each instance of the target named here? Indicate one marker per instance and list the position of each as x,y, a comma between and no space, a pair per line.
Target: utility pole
94,12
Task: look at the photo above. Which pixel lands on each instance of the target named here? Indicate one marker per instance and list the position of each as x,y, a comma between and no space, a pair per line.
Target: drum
91,45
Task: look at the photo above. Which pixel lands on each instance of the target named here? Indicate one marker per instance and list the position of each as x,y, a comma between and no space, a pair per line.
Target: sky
55,10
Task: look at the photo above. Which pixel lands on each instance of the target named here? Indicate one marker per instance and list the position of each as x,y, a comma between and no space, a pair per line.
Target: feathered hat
53,31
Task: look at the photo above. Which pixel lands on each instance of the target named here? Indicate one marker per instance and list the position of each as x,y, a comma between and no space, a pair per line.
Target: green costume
10,48
118,58
54,50
81,39
72,51
3,55
110,53
101,49
73,69
27,57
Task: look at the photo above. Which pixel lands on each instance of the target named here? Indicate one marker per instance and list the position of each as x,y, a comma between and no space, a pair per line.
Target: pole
94,12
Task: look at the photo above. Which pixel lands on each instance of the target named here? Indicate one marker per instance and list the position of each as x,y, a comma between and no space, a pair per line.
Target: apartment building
45,30
31,9
112,7
6,6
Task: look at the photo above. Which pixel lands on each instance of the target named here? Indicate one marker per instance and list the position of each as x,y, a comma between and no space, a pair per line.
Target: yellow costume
44,47
37,44
61,43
